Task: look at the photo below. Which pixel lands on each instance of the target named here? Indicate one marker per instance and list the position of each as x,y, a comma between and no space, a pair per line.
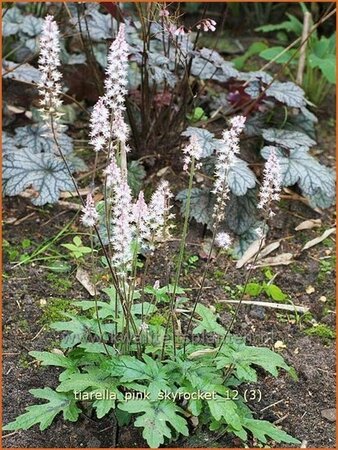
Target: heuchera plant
147,372
172,83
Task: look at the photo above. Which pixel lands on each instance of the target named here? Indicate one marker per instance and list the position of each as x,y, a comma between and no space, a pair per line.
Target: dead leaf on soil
309,224
82,192
249,253
9,220
15,109
319,239
268,249
83,277
284,259
162,171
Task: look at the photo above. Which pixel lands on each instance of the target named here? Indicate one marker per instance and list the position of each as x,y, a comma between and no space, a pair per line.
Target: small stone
257,312
93,443
329,414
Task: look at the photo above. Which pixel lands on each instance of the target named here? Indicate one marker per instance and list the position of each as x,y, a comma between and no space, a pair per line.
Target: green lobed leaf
156,418
129,368
244,357
223,408
45,413
208,321
273,52
262,428
53,359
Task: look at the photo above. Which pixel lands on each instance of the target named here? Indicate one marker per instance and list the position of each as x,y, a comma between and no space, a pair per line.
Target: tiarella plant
135,352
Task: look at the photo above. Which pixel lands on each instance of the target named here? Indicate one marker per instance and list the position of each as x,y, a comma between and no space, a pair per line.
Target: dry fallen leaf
268,249
310,290
249,253
284,259
162,171
309,224
83,277
15,109
319,239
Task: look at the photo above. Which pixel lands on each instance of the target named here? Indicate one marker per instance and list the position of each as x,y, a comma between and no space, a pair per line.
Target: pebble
257,312
93,443
329,414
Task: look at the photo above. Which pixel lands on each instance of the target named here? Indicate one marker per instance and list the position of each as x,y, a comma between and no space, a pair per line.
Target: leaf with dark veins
240,177
44,172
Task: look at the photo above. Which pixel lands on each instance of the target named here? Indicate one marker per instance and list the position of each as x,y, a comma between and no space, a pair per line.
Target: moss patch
54,310
323,331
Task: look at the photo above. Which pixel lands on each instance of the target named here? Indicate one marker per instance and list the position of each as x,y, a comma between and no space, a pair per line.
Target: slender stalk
180,260
247,279
199,292
112,271
95,299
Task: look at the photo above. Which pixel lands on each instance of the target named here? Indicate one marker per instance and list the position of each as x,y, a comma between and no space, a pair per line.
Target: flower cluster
223,240
147,224
116,83
90,215
49,61
206,25
99,125
226,153
271,186
122,216
192,151
159,215
140,212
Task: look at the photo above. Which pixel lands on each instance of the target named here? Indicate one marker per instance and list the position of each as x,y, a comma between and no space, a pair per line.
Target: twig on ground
300,309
